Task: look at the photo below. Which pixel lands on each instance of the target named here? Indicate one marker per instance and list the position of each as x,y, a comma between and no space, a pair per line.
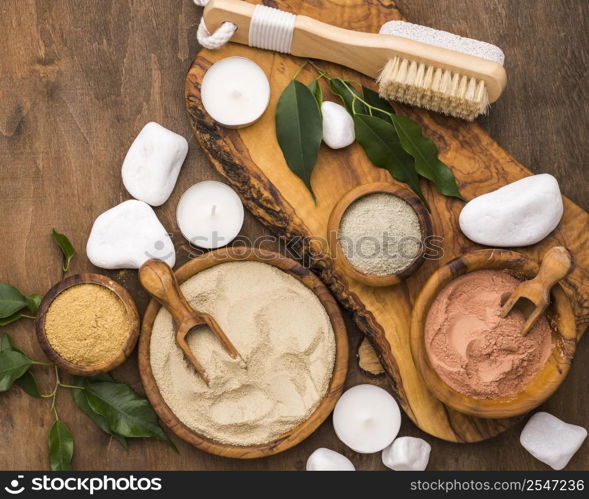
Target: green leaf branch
390,141
114,407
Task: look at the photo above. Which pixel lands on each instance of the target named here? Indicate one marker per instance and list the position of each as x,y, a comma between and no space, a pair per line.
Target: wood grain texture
282,202
130,308
80,78
336,384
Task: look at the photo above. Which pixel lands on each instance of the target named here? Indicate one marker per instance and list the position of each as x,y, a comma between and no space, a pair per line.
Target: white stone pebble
551,440
338,126
328,460
152,164
518,214
407,454
127,235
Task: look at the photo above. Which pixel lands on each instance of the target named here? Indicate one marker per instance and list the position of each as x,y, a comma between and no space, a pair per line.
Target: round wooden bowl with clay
296,434
344,203
547,380
128,303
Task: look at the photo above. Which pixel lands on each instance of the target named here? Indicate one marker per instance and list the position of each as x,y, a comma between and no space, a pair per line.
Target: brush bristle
433,88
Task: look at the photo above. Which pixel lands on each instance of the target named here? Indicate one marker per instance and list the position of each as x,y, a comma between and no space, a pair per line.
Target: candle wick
213,210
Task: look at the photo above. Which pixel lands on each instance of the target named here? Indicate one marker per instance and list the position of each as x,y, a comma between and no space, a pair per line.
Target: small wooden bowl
296,434
121,293
340,208
559,313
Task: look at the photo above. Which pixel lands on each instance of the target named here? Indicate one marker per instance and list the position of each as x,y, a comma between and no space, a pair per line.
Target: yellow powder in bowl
87,325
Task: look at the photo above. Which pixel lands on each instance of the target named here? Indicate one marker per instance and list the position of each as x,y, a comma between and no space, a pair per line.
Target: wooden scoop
533,296
159,281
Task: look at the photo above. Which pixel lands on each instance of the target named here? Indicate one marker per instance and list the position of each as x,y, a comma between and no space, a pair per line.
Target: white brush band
443,39
271,29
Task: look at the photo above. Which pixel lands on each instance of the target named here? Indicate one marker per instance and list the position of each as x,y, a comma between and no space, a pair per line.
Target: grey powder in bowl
380,234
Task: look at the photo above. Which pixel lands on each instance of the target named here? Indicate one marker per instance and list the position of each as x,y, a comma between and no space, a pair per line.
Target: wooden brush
446,76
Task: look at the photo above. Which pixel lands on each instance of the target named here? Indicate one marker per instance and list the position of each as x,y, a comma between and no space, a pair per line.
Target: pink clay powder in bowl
472,349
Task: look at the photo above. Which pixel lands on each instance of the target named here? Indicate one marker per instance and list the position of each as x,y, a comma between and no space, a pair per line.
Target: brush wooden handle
365,52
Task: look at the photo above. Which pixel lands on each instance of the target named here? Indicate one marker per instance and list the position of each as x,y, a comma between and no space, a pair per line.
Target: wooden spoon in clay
533,296
159,281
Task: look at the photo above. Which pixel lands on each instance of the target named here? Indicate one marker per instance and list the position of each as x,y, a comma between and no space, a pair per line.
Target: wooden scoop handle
159,281
556,265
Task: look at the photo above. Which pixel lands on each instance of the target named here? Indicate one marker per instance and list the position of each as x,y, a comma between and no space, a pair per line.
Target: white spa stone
235,92
127,235
152,164
518,214
551,440
366,418
338,125
407,454
328,460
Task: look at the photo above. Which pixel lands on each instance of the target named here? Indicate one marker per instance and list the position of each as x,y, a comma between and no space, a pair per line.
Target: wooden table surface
80,78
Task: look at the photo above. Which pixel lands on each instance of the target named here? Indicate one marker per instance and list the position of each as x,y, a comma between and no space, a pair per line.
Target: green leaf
125,412
66,248
81,400
315,89
11,319
377,101
299,130
13,365
27,381
6,343
346,92
61,447
33,303
380,141
28,384
425,153
11,300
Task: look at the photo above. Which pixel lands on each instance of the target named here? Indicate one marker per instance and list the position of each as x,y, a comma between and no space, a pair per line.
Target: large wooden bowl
128,303
355,194
560,315
296,434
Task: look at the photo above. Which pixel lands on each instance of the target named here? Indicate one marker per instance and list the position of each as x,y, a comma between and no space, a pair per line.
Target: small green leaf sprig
391,141
66,248
114,407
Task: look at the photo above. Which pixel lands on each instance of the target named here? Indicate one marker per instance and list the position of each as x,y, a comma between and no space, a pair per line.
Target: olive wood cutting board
251,161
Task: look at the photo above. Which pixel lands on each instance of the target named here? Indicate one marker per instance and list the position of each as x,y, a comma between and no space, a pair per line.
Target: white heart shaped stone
152,164
338,125
328,460
127,235
518,214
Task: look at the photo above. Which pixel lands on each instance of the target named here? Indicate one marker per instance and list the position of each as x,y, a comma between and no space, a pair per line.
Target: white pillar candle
235,92
210,214
366,418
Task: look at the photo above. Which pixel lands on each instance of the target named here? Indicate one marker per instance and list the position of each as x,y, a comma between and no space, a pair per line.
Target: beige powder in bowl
282,332
380,234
